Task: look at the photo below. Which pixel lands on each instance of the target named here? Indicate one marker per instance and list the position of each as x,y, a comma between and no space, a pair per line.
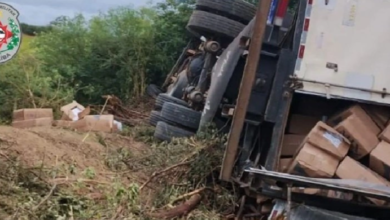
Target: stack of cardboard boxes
77,117
27,118
74,116
300,126
339,148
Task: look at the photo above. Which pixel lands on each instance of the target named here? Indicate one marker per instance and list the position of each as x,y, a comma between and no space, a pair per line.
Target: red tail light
281,12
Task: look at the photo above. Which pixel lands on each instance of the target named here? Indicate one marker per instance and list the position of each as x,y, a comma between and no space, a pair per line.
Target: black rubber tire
163,98
209,25
180,115
155,117
166,132
153,90
237,8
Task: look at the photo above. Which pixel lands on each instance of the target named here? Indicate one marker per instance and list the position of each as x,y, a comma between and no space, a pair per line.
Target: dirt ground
48,172
80,165
54,147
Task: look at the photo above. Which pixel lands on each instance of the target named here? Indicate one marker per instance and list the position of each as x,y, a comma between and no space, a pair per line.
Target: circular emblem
10,33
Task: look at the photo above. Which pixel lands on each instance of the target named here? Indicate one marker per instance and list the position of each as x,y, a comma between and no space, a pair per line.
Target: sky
41,12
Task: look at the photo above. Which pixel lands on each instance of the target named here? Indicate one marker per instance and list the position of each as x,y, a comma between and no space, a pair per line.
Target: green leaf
15,40
10,46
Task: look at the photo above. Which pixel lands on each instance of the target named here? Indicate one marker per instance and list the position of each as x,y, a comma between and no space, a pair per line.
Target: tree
118,52
33,30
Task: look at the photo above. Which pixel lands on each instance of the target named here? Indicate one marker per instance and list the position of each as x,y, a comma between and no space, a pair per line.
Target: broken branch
198,191
46,197
155,174
179,210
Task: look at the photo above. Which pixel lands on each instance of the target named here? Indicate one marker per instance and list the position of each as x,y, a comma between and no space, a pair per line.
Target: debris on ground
76,116
127,115
73,111
54,173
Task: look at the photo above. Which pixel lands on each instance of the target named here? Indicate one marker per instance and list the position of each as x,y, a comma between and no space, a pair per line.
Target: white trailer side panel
352,35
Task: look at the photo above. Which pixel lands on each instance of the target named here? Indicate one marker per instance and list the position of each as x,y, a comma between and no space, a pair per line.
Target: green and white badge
10,33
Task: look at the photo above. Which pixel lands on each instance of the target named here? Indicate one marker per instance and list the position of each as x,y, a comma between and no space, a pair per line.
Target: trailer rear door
345,51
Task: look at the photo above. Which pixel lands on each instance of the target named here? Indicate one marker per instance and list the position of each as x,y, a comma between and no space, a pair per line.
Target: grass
142,187
26,41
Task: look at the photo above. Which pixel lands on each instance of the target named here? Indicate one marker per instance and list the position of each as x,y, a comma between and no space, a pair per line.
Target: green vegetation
115,53
126,182
33,30
118,52
26,43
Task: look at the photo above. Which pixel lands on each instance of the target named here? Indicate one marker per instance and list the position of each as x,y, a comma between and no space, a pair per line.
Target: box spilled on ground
74,115
28,118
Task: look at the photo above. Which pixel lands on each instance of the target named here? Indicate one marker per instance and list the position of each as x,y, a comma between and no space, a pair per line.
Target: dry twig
121,113
117,213
179,210
66,180
198,191
46,197
155,174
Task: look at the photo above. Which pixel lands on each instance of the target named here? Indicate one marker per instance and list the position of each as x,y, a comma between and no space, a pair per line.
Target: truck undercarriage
259,116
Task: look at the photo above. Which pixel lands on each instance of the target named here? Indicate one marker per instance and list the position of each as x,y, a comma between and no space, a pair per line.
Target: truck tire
238,9
163,98
180,115
208,24
155,117
166,132
153,91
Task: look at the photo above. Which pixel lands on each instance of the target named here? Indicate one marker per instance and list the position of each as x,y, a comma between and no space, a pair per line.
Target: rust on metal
176,67
381,92
245,90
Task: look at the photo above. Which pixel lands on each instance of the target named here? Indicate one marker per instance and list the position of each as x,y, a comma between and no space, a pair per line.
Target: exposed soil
51,172
60,148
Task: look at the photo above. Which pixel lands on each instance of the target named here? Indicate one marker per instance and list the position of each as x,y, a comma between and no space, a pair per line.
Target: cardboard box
339,195
32,113
284,163
39,122
385,135
291,143
95,123
62,123
320,153
353,170
312,161
71,111
363,139
359,112
118,126
301,124
380,159
329,140
308,191
324,192
379,114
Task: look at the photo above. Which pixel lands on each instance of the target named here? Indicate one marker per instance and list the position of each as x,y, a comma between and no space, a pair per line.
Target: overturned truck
305,97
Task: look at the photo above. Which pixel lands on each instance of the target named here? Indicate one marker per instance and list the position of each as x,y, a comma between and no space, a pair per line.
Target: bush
25,85
116,53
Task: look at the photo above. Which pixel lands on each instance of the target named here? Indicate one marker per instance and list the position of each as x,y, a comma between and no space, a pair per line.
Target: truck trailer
305,98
